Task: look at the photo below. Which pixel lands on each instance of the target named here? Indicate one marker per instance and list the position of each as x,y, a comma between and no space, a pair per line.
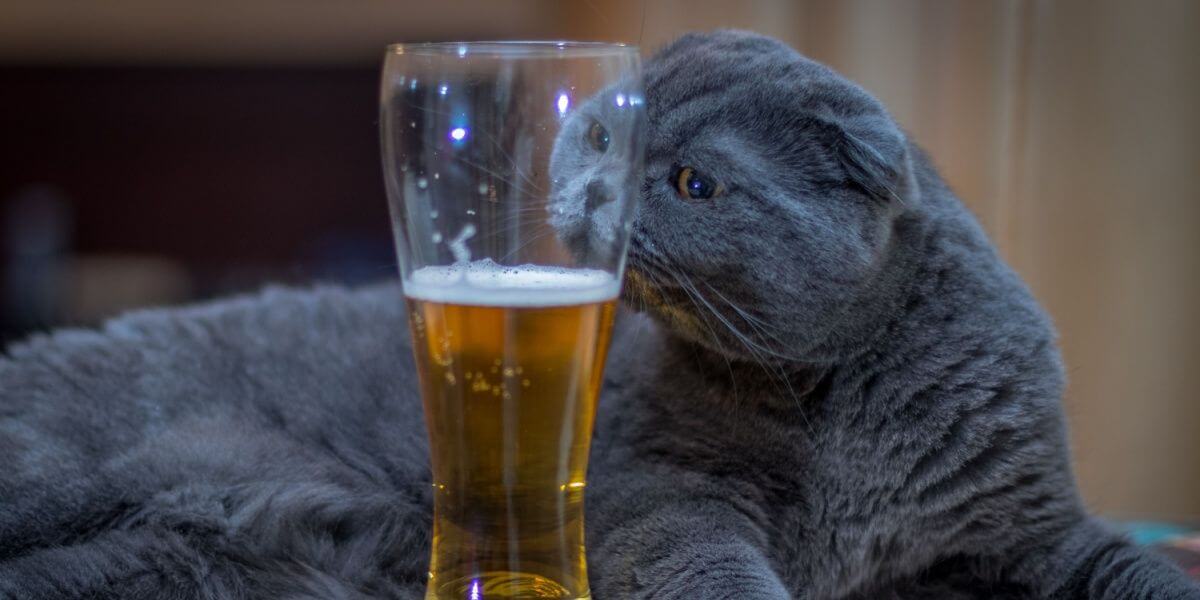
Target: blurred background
156,152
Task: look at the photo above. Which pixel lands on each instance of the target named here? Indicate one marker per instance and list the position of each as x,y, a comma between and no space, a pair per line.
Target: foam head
486,283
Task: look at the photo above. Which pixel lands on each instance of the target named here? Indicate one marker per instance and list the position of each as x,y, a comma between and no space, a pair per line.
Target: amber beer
510,360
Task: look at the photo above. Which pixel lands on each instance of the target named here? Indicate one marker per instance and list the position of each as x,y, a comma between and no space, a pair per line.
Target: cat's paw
711,572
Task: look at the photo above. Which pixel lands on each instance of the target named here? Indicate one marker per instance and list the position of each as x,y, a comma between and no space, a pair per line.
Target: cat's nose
598,195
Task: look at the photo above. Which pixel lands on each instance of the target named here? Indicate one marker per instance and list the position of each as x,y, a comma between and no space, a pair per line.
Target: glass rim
514,48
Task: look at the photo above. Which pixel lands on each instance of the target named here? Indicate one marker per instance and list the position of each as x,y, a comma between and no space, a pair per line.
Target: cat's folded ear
873,152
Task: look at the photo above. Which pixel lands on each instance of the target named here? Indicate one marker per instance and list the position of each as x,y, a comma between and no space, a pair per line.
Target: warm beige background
1070,127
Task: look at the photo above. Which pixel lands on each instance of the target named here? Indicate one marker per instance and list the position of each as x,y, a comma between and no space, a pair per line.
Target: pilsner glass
512,171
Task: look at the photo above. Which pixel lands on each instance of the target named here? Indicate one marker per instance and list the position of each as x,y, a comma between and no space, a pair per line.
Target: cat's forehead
703,114
700,61
743,79
735,98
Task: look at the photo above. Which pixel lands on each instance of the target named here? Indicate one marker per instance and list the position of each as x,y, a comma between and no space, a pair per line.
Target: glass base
501,585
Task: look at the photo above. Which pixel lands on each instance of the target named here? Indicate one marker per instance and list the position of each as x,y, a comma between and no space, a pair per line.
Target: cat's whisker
712,332
532,240
427,110
500,177
774,371
648,258
532,218
737,333
755,323
751,322
707,308
513,162
749,318
654,267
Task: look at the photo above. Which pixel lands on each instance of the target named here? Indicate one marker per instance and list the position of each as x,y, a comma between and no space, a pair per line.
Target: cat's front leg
646,546
1090,562
672,555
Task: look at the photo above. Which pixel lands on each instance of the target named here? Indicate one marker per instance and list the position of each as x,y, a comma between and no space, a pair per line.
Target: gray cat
839,392
847,393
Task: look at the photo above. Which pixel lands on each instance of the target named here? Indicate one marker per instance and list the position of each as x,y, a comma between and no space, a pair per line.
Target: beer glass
512,170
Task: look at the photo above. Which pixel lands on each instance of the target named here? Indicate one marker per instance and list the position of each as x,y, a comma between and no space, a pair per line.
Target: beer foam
485,283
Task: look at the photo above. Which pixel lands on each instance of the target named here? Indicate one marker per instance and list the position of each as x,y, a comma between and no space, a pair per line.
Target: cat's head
771,188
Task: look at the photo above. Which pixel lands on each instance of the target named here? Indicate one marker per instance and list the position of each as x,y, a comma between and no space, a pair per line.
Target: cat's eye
691,184
597,136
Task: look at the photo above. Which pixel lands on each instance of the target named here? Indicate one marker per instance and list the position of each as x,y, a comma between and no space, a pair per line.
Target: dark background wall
228,176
